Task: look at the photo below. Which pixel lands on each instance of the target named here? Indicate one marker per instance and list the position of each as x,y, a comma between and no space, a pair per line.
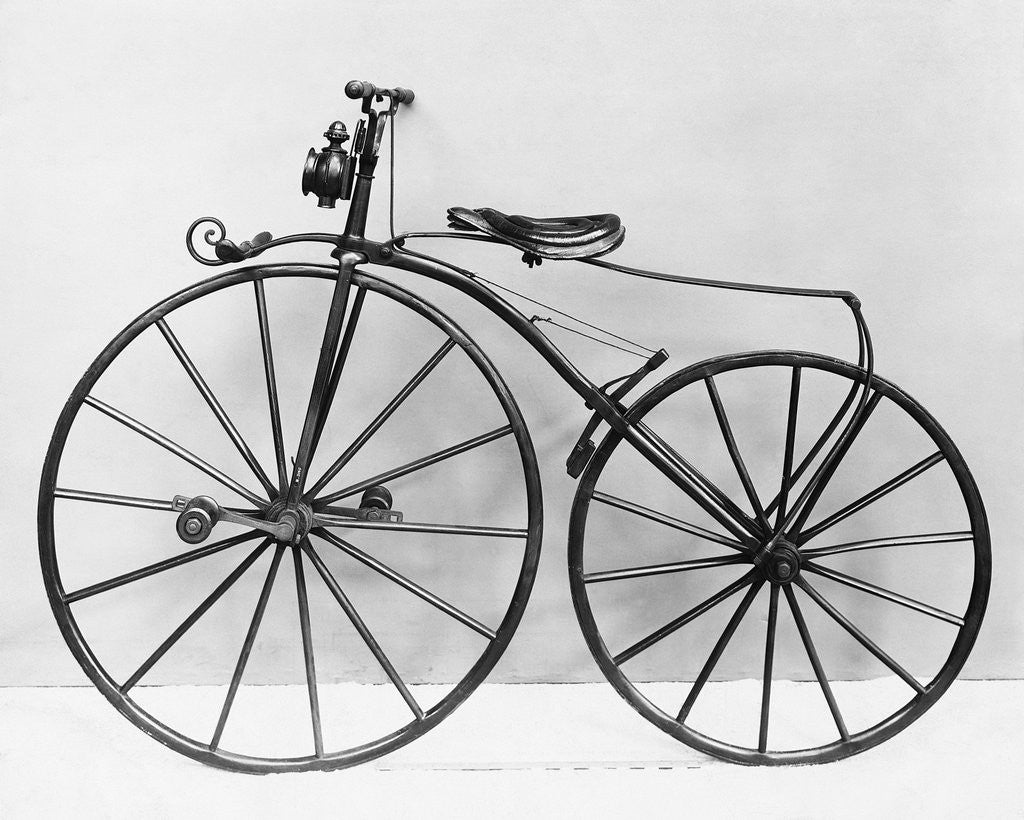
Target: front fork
290,518
328,369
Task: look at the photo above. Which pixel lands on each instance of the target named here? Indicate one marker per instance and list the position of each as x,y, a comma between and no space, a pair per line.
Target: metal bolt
385,251
783,569
193,526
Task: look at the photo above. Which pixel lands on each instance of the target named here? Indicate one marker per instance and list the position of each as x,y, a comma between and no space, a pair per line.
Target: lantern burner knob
336,133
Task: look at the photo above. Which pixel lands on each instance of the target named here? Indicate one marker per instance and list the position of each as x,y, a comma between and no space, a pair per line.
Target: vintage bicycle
665,527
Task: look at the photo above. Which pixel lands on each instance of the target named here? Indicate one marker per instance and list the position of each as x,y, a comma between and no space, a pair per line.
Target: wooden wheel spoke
307,652
361,628
214,405
769,661
734,453
250,639
117,500
418,464
160,566
383,416
130,501
863,639
871,497
268,369
196,614
177,449
662,569
812,654
661,518
405,583
787,459
716,653
666,630
898,541
885,594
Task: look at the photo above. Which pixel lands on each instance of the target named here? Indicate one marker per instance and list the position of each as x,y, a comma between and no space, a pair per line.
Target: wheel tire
589,569
55,546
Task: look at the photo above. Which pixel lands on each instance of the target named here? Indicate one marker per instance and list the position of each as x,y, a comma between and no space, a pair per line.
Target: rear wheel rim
584,575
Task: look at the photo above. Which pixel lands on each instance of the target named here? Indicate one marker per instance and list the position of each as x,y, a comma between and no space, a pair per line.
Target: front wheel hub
301,517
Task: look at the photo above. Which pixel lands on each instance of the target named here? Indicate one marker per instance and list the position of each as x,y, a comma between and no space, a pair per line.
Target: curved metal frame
392,253
352,247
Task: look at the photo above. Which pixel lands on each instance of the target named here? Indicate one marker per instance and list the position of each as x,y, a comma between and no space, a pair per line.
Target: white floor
516,751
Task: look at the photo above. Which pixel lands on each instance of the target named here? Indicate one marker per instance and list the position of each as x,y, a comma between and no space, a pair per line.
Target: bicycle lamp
329,173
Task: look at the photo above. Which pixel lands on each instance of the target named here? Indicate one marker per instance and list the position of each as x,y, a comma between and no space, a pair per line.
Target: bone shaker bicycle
676,563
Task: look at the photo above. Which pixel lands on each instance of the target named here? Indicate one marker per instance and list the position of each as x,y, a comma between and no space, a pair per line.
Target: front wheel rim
497,642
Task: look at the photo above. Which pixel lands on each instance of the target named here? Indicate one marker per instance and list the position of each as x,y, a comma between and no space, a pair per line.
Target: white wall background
850,145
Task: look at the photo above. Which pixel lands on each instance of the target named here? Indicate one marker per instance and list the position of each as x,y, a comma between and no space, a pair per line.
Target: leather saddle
564,237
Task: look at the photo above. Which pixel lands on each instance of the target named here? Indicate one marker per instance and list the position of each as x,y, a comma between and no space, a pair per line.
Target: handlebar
361,89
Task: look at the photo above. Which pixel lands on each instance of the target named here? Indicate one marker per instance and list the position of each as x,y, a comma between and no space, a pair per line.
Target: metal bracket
338,516
584,448
225,250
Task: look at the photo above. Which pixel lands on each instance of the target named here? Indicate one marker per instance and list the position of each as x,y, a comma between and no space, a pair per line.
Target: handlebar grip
356,90
403,95
361,89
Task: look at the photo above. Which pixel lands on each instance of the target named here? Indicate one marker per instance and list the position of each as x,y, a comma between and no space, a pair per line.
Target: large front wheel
260,652
867,604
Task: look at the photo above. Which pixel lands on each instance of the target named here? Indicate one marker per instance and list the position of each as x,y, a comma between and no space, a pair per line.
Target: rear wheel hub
783,565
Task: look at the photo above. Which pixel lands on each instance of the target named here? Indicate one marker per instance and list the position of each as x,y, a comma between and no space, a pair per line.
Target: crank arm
199,515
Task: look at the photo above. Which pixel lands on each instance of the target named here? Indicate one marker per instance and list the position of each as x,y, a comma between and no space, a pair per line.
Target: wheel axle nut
198,519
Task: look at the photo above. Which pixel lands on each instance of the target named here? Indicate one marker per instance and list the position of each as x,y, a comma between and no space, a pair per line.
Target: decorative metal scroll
226,251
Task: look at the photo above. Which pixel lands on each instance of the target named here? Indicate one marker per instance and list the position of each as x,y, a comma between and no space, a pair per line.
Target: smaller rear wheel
863,611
